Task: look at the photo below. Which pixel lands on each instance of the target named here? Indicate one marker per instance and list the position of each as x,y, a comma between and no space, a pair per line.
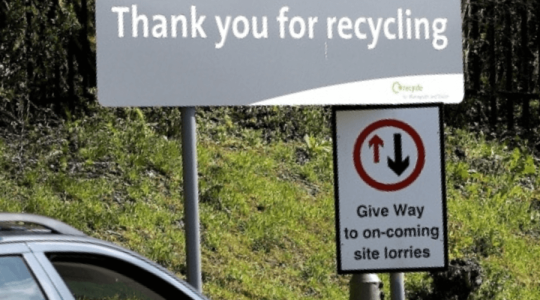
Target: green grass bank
266,203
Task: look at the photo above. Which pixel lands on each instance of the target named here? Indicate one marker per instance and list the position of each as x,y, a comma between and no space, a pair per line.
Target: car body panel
21,249
14,248
42,277
58,282
40,244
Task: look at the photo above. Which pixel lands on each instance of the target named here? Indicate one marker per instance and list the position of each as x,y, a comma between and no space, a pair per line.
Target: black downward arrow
398,165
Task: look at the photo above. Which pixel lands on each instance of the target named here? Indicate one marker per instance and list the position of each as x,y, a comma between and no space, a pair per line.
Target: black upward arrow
398,165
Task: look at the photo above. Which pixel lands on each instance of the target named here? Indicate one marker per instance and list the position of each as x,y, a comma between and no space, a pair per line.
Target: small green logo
398,87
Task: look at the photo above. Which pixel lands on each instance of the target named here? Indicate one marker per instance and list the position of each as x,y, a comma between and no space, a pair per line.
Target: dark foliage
500,43
461,280
47,59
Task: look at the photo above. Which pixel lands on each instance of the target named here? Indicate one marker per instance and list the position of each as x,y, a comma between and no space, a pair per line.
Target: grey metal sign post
191,197
397,286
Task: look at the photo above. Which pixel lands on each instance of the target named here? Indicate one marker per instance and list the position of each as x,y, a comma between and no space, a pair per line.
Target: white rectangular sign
278,52
390,189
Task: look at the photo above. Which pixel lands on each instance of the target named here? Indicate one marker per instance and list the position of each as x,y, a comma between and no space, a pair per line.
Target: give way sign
390,189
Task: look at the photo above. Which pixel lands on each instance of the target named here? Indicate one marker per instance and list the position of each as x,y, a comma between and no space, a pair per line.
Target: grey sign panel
191,53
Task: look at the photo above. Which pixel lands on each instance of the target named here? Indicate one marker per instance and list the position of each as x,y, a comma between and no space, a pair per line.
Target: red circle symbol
389,187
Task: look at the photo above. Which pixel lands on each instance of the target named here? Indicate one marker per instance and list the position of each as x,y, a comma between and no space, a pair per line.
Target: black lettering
362,211
410,232
366,233
400,209
367,211
409,251
434,233
369,253
366,254
353,234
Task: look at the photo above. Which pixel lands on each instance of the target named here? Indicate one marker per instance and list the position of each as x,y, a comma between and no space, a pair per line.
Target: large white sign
390,189
244,52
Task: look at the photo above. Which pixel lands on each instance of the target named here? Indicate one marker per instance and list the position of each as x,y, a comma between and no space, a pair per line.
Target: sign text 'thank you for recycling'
276,52
296,27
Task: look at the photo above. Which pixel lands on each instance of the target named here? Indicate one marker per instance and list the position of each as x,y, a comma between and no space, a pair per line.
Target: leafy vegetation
48,55
266,185
266,204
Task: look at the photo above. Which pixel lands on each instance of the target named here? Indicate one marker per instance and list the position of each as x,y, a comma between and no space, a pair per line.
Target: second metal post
397,286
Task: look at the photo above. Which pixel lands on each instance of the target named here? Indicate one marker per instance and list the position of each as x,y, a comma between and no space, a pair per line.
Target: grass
494,215
266,208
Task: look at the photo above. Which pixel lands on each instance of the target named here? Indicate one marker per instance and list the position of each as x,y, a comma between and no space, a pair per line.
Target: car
43,258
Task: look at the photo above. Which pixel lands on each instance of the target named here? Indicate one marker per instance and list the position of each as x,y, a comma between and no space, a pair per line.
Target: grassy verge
267,209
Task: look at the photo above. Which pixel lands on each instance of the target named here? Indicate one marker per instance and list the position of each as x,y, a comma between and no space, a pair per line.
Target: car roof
9,222
63,238
57,231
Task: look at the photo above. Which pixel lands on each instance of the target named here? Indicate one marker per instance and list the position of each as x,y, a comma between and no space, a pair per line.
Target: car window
16,281
97,277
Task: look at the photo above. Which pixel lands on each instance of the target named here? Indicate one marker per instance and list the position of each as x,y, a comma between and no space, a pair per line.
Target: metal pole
191,197
397,286
365,287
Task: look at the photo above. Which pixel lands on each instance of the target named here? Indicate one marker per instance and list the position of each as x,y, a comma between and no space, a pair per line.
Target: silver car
42,258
